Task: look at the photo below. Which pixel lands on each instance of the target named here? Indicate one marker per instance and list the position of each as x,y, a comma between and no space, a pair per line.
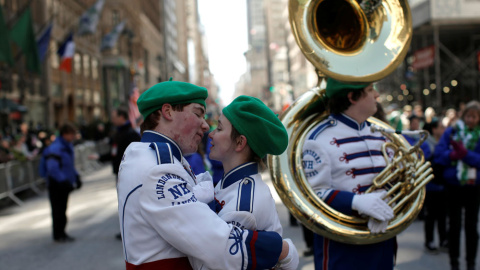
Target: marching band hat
340,89
170,92
252,118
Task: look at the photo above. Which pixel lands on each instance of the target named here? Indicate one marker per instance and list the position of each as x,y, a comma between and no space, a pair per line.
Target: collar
152,136
347,120
238,173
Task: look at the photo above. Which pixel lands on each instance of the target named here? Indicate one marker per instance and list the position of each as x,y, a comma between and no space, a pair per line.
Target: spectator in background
407,112
459,153
20,149
435,205
123,136
30,139
450,117
196,160
62,178
429,114
5,153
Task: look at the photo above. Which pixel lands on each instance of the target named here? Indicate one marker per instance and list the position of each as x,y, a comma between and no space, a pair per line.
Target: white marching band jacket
162,222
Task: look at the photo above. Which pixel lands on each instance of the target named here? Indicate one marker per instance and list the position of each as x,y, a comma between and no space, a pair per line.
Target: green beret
170,92
339,89
252,118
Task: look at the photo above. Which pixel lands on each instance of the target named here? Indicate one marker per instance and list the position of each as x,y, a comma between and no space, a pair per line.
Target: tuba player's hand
373,205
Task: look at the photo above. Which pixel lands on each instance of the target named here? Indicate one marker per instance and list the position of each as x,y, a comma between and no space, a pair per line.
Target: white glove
202,177
372,205
376,226
291,261
204,190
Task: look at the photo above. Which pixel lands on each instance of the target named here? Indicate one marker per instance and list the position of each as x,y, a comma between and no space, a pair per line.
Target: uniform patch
309,159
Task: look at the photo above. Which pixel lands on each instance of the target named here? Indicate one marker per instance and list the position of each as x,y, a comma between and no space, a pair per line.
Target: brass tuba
350,42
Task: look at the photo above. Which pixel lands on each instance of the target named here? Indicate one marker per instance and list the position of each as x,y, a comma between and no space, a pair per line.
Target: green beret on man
265,133
170,92
339,89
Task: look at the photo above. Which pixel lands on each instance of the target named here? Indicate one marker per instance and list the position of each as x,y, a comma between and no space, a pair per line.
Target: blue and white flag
89,19
110,39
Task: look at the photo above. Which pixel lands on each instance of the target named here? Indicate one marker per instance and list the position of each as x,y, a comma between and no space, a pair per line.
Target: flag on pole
5,50
133,112
44,41
23,35
110,39
66,52
89,19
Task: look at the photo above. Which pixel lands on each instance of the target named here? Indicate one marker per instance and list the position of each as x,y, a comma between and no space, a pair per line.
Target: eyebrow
199,108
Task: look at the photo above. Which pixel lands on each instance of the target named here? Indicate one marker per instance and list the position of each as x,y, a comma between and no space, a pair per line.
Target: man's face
368,102
190,126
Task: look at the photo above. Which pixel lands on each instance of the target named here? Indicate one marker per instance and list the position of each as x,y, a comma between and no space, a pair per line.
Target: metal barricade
17,179
3,181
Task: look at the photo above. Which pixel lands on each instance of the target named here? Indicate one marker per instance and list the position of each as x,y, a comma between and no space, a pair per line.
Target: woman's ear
241,143
166,111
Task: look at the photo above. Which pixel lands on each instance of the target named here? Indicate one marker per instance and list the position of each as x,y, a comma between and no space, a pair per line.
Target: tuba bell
351,42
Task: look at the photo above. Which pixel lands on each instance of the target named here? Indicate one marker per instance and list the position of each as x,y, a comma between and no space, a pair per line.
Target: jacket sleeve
192,228
317,166
54,170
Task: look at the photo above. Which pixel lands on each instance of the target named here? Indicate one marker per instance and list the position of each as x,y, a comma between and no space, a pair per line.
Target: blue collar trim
239,173
152,136
349,121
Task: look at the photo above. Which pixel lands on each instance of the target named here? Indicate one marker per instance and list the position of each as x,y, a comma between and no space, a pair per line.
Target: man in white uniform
161,219
341,157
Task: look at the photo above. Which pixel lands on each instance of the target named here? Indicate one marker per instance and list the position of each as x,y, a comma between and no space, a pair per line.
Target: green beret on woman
265,133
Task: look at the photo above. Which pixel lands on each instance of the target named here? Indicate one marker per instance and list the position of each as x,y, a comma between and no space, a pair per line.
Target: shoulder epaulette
329,123
246,190
163,151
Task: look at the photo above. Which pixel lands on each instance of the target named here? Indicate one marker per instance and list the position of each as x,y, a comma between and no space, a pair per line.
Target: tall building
151,45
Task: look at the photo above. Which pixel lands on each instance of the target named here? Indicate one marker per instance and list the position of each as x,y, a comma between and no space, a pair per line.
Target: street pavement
25,233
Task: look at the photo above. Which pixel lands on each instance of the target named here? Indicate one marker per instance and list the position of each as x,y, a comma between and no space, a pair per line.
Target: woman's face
471,118
222,144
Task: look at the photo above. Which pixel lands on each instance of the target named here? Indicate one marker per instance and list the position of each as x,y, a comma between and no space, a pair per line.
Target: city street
25,234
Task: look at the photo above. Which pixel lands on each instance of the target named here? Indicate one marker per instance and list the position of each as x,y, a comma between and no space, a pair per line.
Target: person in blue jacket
62,178
459,153
435,205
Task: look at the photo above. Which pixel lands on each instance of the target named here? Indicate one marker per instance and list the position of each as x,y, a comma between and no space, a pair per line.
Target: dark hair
341,104
123,112
234,135
152,120
430,126
67,128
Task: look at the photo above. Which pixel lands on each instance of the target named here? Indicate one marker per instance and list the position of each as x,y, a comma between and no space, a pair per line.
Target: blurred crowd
28,141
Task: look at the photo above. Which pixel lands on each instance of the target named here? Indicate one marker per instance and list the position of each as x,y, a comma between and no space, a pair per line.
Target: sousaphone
356,42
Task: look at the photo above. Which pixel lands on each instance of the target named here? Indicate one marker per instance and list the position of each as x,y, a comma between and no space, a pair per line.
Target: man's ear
241,143
167,111
349,96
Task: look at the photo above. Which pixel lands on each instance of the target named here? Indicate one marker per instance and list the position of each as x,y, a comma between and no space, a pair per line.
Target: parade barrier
17,176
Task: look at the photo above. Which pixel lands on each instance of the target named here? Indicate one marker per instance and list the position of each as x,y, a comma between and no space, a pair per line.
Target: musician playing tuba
341,156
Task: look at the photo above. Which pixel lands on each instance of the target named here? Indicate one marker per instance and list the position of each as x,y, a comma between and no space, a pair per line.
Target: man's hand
376,226
372,205
78,182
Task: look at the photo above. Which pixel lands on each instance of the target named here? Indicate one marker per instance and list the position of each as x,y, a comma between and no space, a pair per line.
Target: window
94,68
77,63
86,65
